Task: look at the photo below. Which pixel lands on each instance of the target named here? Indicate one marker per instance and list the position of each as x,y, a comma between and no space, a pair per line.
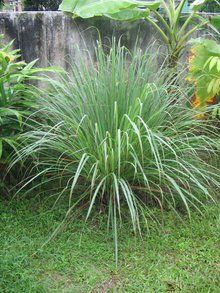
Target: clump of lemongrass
117,134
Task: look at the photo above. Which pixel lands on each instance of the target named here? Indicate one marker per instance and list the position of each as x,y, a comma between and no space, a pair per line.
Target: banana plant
173,27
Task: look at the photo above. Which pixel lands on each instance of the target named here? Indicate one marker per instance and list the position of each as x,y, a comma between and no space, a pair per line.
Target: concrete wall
55,38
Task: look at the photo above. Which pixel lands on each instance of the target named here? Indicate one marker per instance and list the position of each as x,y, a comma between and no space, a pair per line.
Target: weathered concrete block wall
54,38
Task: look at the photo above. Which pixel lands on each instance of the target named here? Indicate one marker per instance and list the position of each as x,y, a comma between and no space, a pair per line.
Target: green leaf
216,86
12,143
210,86
129,14
110,8
9,112
208,61
213,62
153,5
197,4
210,46
215,23
218,66
1,148
204,52
91,8
68,5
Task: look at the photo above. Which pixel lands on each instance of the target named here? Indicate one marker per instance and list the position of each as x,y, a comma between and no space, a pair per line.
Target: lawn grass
178,258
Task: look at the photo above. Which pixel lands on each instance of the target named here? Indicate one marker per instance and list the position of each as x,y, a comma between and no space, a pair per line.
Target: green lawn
178,258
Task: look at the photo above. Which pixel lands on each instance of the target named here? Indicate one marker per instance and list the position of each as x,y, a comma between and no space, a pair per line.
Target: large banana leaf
116,9
129,14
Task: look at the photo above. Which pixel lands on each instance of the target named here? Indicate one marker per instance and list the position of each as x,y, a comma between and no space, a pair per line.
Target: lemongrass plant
116,135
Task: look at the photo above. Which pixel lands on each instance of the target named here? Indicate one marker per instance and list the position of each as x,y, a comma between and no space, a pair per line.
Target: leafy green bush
14,96
17,99
119,137
204,70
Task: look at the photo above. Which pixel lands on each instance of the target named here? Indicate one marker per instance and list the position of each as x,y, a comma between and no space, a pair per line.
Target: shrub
204,71
118,136
17,99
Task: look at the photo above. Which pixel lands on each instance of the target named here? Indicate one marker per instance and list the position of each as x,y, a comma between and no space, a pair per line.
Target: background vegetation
211,6
17,102
39,5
